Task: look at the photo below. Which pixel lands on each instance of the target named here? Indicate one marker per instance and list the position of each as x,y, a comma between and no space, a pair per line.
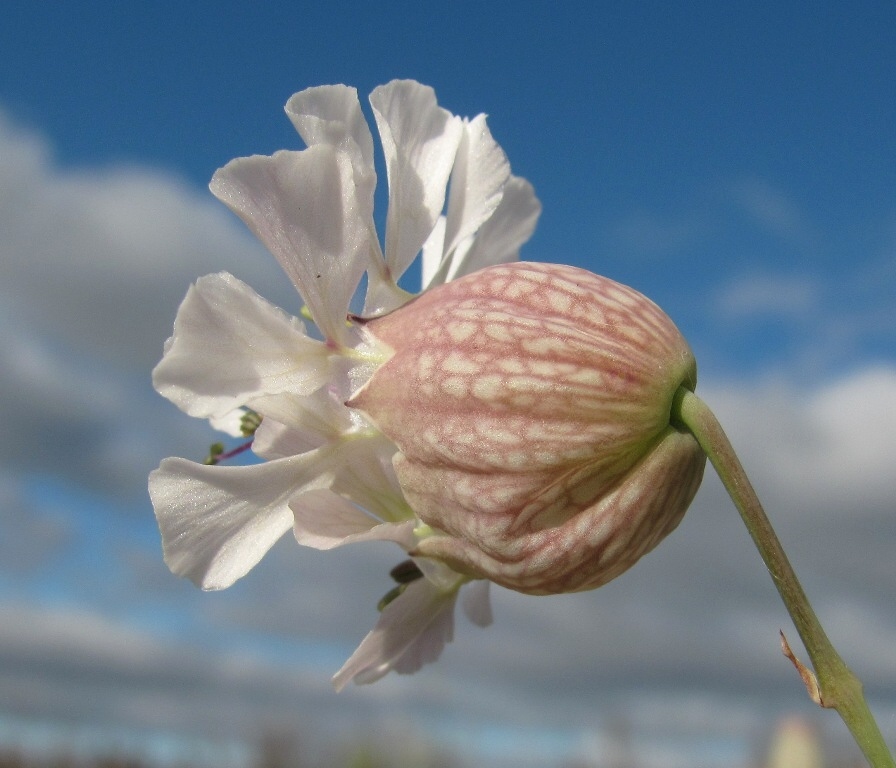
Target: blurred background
735,162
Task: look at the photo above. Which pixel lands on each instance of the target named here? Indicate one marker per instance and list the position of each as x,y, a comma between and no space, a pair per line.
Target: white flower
328,472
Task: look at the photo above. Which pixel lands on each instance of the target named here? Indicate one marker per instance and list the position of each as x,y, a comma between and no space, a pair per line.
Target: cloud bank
682,651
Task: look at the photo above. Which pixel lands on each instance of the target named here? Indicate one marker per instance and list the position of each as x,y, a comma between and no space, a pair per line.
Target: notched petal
501,236
305,207
412,630
331,115
480,173
218,522
420,141
295,424
230,346
325,520
477,604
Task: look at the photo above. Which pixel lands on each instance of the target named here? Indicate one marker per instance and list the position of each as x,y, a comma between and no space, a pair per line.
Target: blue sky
734,163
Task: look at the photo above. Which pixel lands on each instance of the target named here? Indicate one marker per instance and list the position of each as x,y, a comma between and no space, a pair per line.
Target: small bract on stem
833,684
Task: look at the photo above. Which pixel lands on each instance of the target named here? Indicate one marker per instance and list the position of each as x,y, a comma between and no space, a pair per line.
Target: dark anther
406,572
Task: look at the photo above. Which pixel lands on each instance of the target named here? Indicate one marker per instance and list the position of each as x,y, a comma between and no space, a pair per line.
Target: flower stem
835,685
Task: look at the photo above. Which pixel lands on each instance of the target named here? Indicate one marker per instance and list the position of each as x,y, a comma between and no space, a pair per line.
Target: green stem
837,686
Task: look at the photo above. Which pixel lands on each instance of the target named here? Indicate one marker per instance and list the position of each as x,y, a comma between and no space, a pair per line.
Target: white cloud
651,234
80,418
768,295
826,450
94,264
92,267
29,537
691,629
98,260
815,322
774,211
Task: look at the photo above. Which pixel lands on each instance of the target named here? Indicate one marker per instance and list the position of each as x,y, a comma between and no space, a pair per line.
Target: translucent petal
230,423
324,520
420,141
305,207
274,440
477,182
295,424
501,236
331,114
433,250
417,623
476,602
230,345
439,574
218,522
368,479
428,646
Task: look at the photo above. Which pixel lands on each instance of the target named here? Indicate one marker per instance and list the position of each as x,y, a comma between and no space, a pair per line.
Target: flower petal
331,114
295,424
274,440
218,522
324,520
420,141
305,207
437,573
230,345
230,423
427,647
499,239
477,182
433,251
411,631
368,478
476,603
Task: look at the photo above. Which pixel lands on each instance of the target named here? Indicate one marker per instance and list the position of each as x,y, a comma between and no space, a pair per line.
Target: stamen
216,452
250,422
404,573
390,596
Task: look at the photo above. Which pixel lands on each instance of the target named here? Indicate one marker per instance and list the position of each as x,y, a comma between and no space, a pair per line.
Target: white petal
368,478
477,182
331,115
501,236
230,345
274,440
433,251
230,423
305,207
428,646
420,142
383,295
295,424
476,603
439,574
218,522
417,623
324,520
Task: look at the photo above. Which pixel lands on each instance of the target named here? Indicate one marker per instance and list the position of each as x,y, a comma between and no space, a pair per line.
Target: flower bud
530,404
